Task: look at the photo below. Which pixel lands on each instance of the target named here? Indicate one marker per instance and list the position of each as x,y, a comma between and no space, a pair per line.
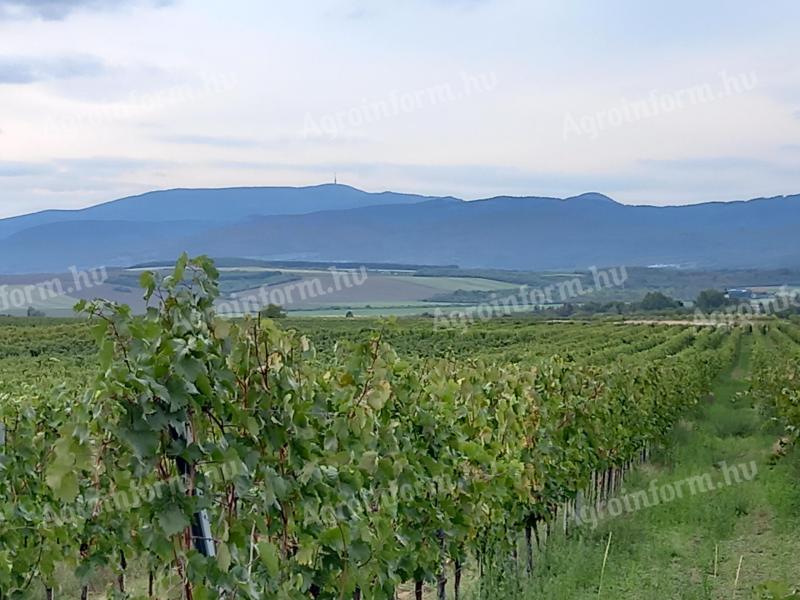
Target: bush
273,311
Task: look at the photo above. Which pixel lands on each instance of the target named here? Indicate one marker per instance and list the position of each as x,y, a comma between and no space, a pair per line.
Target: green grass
668,551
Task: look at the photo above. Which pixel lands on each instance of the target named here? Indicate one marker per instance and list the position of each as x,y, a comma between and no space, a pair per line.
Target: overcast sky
658,103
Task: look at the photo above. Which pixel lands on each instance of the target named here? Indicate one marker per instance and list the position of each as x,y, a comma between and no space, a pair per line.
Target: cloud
796,114
93,168
273,142
19,70
108,165
210,140
57,10
75,182
738,165
464,180
362,10
715,178
23,169
459,2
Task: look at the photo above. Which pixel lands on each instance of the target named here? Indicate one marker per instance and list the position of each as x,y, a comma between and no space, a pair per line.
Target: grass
669,550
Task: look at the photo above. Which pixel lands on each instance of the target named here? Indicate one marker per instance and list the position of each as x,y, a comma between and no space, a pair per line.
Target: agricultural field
244,288
375,290
178,453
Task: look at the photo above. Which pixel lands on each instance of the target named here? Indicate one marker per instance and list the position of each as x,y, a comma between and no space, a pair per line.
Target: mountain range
335,222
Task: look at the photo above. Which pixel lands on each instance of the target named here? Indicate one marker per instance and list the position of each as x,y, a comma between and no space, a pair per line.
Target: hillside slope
213,205
510,233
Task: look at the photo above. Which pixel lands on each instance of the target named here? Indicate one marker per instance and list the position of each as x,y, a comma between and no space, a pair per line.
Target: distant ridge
335,222
214,205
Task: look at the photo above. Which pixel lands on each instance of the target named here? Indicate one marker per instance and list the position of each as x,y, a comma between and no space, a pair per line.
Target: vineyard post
442,582
601,488
123,563
201,526
529,543
457,579
515,557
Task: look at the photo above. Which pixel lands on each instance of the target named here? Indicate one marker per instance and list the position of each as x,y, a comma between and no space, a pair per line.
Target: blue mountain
340,223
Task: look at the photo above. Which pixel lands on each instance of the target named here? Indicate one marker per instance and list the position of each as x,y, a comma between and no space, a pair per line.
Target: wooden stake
458,580
442,579
738,570
123,565
716,558
529,544
603,570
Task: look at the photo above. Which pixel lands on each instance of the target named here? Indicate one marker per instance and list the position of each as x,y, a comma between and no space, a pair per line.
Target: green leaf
332,538
201,592
106,354
360,551
223,556
268,552
305,554
369,461
173,521
64,483
180,267
147,281
379,394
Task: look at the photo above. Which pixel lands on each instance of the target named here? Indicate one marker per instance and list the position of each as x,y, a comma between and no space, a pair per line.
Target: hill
527,233
224,205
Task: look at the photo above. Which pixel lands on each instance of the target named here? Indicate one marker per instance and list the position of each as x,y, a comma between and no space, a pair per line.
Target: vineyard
177,454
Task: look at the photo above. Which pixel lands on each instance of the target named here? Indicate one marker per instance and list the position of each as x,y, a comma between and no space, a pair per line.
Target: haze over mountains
340,223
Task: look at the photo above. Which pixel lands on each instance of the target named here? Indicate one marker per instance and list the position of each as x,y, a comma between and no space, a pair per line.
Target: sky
650,103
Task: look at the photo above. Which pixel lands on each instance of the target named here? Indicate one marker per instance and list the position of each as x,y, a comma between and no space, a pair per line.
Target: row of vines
221,459
775,384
